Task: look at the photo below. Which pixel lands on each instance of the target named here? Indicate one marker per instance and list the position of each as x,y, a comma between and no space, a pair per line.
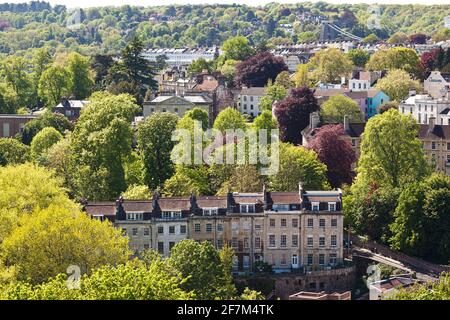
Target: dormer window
134,216
315,206
280,207
247,208
210,211
171,214
331,206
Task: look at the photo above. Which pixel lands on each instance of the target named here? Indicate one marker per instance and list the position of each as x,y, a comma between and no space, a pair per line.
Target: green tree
237,48
54,84
26,188
16,72
395,58
137,192
330,65
200,65
81,79
48,119
359,57
302,76
337,107
154,137
48,241
201,264
245,178
133,280
298,164
422,220
187,180
101,144
12,151
283,79
274,92
42,141
435,291
391,152
398,37
397,84
229,118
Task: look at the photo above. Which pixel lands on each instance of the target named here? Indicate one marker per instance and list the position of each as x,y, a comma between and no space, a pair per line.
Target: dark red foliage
335,152
4,25
432,60
293,113
418,38
258,69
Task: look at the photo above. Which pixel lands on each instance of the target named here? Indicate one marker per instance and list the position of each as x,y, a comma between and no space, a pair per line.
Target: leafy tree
292,113
48,119
336,153
47,242
302,77
369,210
43,141
201,264
229,118
133,74
283,79
395,58
101,65
199,65
337,107
434,59
16,72
54,84
398,37
359,57
442,34
133,280
237,48
258,69
422,219
274,92
265,121
187,180
245,178
155,145
197,114
26,188
397,84
298,164
13,152
137,192
81,79
386,106
391,152
428,291
101,143
418,38
330,65
371,38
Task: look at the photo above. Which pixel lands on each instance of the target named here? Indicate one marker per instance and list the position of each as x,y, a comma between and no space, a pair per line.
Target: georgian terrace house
288,230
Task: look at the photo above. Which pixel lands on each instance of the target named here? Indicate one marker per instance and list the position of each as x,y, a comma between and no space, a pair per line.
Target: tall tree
292,113
359,57
229,118
336,153
46,138
54,84
101,143
422,220
391,152
81,79
395,58
154,137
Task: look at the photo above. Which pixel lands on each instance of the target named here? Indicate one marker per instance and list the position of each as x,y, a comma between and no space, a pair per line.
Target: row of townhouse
288,230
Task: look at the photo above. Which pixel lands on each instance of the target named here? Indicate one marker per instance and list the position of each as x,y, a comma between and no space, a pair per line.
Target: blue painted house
375,98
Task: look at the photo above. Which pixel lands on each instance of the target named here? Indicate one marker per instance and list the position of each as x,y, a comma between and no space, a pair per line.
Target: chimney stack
314,120
346,123
431,123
